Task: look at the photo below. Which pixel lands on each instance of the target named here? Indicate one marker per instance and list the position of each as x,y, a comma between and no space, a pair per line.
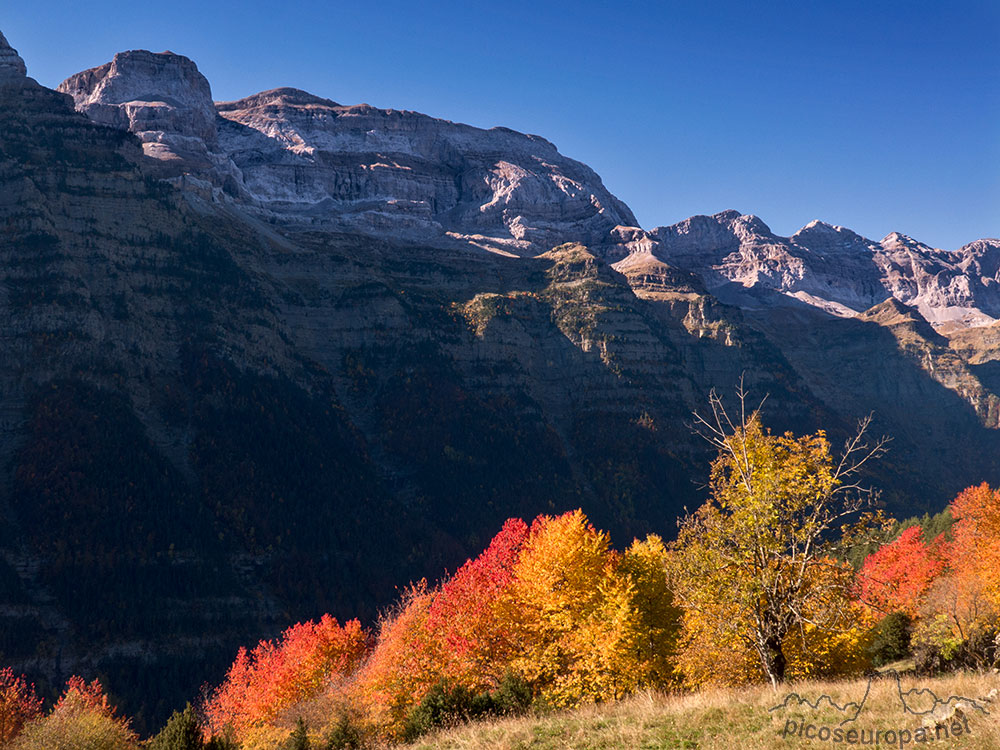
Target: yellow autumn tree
576,609
751,565
644,566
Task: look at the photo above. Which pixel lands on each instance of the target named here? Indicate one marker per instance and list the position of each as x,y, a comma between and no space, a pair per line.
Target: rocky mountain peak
280,96
161,97
899,241
12,68
821,237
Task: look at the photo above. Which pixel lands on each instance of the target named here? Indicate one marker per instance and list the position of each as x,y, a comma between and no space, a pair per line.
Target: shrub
512,696
299,739
346,734
891,639
447,704
181,732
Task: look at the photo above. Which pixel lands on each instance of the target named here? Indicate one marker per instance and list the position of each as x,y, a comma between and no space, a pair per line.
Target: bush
891,639
225,742
512,696
82,720
447,704
299,739
937,648
181,732
346,734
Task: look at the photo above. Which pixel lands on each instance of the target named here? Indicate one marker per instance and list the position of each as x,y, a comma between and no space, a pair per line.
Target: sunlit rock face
166,102
309,160
834,269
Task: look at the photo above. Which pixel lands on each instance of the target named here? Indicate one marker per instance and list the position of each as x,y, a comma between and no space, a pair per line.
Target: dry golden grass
739,719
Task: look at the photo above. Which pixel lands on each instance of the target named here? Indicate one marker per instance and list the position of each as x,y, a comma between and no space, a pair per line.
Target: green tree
299,740
181,732
757,560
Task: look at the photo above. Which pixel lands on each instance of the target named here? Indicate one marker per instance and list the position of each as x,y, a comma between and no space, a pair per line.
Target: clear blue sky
880,116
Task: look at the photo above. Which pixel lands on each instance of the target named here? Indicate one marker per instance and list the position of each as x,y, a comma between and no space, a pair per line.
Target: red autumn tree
277,674
898,576
462,615
18,704
449,632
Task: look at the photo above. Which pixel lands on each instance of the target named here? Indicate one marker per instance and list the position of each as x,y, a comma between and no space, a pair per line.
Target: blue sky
880,116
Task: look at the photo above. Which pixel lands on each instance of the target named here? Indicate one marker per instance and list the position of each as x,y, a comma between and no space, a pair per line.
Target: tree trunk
773,659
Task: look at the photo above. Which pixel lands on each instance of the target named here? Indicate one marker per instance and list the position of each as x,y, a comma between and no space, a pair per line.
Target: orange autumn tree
277,674
18,704
403,665
451,632
975,551
749,567
960,616
898,576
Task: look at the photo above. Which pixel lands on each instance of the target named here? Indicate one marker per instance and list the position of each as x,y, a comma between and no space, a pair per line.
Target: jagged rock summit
12,68
834,269
306,162
301,159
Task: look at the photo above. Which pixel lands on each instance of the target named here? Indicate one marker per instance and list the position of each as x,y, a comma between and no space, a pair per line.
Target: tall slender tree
755,561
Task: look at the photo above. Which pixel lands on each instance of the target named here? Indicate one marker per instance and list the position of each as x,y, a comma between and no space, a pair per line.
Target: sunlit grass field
741,719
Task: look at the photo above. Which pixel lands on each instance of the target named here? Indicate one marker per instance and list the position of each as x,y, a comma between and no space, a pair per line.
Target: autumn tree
975,551
404,664
277,674
450,632
576,612
82,719
749,566
18,704
898,576
462,616
959,619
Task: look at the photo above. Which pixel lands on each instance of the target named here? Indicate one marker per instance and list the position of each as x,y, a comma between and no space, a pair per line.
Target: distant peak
817,230
284,95
134,56
821,226
898,239
12,68
748,223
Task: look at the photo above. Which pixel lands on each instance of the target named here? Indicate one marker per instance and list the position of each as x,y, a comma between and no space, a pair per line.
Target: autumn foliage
898,577
754,588
552,604
277,674
18,704
82,718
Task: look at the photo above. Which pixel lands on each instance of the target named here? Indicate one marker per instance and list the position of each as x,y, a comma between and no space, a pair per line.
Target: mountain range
274,357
